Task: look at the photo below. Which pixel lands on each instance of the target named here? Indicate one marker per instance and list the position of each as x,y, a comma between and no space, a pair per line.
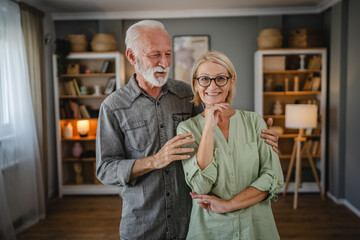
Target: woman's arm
244,199
205,151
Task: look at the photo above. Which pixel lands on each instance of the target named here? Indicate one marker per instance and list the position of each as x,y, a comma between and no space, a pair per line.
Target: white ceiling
175,8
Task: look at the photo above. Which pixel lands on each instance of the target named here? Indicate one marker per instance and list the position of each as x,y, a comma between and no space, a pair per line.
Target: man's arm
170,152
112,165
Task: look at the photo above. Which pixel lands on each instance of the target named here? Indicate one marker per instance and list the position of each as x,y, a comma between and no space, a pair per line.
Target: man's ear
130,56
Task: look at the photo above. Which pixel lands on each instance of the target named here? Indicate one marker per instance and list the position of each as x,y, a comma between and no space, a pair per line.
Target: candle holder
83,127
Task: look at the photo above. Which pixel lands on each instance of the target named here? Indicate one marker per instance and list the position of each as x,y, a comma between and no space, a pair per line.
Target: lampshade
83,127
300,116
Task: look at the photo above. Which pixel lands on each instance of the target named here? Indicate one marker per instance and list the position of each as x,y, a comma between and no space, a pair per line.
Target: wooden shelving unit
266,95
76,175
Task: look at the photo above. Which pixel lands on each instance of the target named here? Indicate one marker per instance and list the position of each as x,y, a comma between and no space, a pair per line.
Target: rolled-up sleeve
112,166
270,173
200,181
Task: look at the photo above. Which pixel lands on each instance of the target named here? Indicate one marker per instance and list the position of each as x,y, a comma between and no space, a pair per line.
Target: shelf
77,119
288,156
83,96
294,135
291,93
264,102
88,75
292,71
67,164
277,116
78,138
274,116
72,159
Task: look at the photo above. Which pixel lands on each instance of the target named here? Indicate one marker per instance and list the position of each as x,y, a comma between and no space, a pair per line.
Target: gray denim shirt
134,125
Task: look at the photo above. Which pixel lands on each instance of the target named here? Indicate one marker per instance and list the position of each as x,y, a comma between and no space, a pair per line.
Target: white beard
148,74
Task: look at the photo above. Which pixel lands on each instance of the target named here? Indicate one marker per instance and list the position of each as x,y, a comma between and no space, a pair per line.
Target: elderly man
136,144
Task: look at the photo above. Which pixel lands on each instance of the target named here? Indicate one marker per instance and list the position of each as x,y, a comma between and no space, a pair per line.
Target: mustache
160,69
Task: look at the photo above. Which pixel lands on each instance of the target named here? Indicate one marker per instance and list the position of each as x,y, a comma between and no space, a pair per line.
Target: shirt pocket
137,136
179,117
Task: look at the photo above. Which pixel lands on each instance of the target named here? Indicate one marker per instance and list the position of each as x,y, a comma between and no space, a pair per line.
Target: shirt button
169,216
157,103
161,125
167,194
167,171
229,153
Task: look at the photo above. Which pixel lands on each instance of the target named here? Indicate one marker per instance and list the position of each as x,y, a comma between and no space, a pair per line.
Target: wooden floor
99,218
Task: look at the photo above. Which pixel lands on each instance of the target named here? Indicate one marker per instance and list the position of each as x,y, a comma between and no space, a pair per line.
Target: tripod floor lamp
300,116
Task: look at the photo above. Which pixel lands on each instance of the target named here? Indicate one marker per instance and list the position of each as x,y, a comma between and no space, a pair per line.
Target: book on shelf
62,110
67,110
84,112
75,108
105,66
307,147
314,63
70,88
315,148
307,83
315,84
76,86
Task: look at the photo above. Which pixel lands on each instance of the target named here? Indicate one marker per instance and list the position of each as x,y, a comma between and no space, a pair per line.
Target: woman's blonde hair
219,58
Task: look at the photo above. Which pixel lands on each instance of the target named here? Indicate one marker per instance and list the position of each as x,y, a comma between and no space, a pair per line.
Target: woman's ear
233,81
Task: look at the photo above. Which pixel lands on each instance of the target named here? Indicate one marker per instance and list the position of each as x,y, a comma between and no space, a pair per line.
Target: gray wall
352,165
344,102
337,101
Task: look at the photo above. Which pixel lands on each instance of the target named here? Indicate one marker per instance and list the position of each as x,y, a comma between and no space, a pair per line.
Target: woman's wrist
232,205
208,128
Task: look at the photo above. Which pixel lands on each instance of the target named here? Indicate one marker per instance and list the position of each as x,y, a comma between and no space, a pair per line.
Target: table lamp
83,127
300,116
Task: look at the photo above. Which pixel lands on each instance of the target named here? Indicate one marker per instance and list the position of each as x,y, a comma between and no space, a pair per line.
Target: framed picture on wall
187,49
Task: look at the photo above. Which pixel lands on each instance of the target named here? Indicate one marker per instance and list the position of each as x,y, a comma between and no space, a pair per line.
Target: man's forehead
155,40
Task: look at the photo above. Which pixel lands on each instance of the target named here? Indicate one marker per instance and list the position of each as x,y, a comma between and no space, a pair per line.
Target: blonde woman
233,173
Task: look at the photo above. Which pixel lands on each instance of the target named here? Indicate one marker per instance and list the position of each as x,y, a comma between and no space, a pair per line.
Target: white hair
133,33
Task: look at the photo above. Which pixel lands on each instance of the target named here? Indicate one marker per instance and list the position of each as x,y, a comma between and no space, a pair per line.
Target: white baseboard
352,208
344,202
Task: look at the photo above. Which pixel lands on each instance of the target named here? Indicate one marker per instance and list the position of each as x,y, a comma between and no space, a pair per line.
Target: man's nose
164,61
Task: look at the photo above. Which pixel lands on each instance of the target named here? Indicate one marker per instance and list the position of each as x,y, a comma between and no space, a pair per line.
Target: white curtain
21,187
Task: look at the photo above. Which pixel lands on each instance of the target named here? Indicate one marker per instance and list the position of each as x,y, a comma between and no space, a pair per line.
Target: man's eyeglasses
205,81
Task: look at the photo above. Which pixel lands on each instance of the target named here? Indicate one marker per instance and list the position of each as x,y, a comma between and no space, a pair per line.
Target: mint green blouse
244,160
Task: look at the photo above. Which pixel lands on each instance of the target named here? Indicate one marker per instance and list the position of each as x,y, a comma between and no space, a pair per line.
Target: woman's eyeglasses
220,81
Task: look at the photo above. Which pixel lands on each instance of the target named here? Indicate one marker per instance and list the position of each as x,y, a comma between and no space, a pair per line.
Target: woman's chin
210,103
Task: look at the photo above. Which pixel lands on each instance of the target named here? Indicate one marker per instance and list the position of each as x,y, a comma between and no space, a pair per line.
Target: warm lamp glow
83,127
300,116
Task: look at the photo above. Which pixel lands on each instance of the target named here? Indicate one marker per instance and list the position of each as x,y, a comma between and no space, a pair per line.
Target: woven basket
78,42
75,38
103,42
103,37
270,38
103,46
79,47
